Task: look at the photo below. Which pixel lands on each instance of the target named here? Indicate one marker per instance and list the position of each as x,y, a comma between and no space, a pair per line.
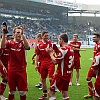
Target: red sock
2,88
90,87
44,94
11,97
23,97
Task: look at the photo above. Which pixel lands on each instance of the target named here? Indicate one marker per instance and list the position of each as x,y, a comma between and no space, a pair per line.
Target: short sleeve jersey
96,48
5,57
43,54
76,52
65,61
17,59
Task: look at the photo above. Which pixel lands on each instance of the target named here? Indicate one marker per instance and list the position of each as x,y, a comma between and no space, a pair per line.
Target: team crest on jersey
20,45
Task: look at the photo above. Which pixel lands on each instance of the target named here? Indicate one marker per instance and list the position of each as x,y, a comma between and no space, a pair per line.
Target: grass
75,92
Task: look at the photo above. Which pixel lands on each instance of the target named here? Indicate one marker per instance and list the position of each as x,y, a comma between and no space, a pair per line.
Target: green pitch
75,92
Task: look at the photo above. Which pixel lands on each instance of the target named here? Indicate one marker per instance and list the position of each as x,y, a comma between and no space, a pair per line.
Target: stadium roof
31,6
90,9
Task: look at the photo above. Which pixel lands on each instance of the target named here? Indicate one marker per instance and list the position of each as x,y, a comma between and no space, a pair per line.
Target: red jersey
96,48
96,62
65,61
96,66
37,53
44,57
76,52
17,59
5,57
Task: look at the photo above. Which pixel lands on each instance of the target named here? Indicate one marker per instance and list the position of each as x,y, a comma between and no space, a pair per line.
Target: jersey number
71,58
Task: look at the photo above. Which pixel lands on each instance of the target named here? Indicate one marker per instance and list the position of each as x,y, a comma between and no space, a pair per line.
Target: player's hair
64,37
97,34
18,27
75,35
39,36
44,32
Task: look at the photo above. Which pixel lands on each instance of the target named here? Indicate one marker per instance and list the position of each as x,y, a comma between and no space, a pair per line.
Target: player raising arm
17,76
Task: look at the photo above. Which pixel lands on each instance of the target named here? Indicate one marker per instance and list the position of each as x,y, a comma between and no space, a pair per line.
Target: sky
93,2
